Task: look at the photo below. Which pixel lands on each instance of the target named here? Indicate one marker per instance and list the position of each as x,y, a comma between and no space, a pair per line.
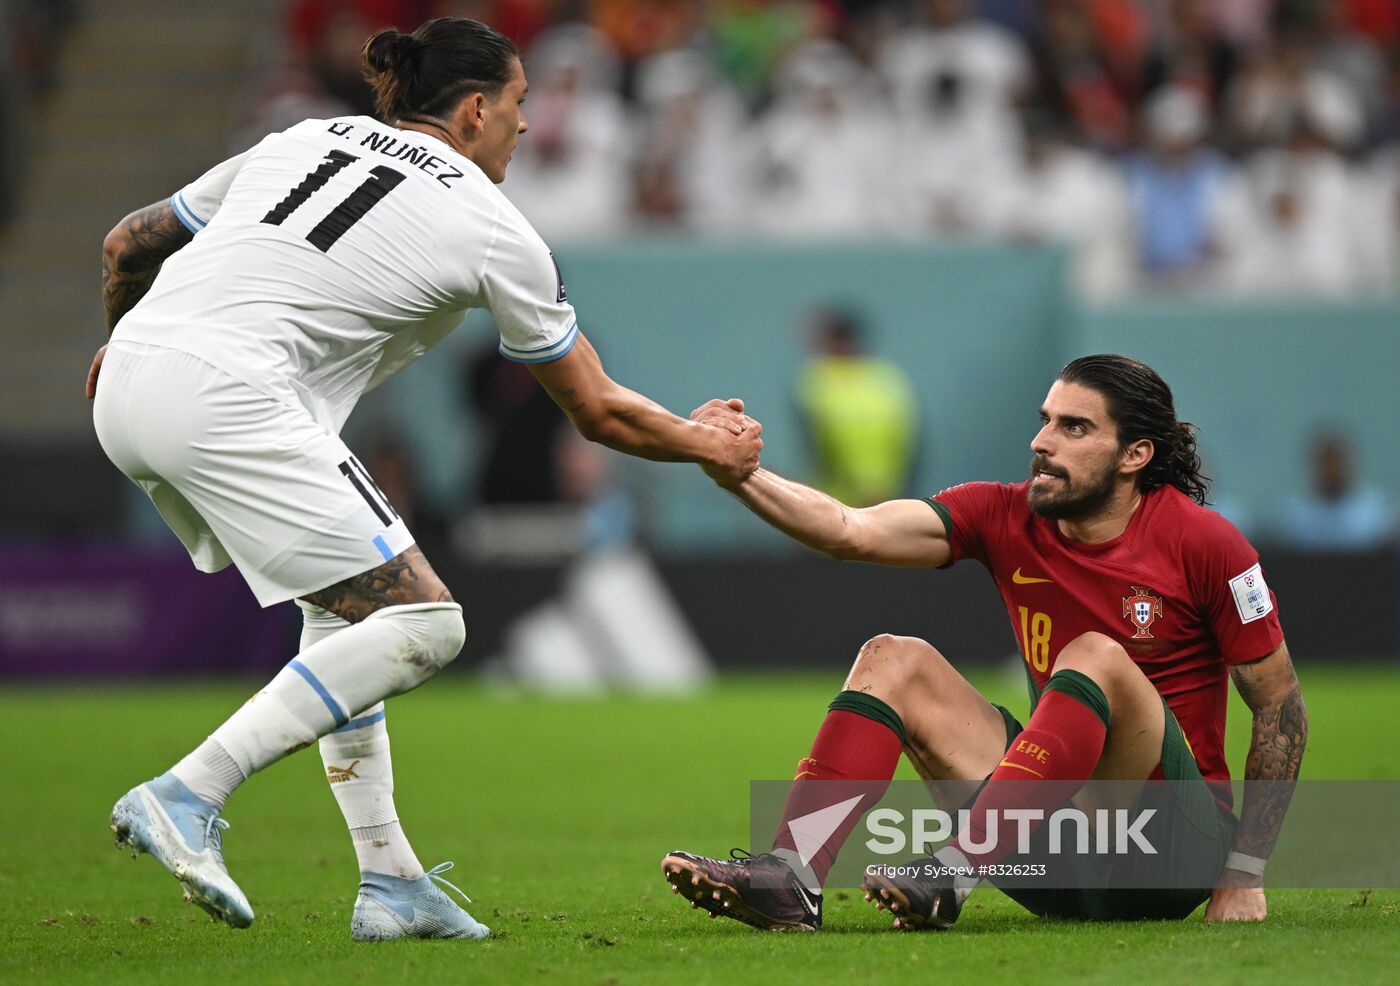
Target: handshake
740,454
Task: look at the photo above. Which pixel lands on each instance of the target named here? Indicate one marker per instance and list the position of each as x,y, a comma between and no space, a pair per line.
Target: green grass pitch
557,813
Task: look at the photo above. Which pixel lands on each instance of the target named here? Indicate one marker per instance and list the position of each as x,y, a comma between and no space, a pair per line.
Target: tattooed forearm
402,581
132,254
1276,747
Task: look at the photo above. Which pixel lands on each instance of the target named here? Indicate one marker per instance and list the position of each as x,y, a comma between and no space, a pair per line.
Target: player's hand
93,371
728,415
1238,897
740,455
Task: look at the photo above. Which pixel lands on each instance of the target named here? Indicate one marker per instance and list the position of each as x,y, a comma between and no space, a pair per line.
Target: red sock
850,746
1058,749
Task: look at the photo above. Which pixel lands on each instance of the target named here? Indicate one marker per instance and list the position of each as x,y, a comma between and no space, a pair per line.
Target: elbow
114,247
599,426
843,551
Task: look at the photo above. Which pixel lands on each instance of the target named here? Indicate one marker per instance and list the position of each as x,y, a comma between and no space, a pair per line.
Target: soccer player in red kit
1132,604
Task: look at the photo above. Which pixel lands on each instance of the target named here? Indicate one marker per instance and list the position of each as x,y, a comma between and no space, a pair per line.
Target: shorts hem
281,594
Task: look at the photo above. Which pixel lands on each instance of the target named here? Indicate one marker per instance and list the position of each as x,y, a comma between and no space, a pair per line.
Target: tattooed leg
405,579
416,631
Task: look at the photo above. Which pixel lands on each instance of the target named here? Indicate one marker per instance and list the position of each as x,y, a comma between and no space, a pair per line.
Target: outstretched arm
606,412
897,532
1270,688
132,254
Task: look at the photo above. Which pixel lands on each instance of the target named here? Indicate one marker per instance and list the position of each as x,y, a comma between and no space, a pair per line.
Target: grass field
557,813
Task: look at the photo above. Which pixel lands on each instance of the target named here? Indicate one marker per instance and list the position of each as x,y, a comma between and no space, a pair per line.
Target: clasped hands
741,454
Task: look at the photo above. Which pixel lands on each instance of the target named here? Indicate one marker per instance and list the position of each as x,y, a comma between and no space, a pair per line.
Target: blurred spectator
1280,84
1078,78
1338,514
820,150
1176,186
686,171
1062,194
638,29
1380,230
1192,51
569,177
859,413
753,38
837,118
1247,23
1349,56
955,82
1295,224
519,427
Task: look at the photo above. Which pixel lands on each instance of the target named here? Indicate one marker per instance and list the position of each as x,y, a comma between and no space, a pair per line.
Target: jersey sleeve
1236,602
972,514
197,202
525,293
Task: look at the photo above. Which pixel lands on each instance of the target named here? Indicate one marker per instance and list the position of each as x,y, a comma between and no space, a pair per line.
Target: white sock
210,772
360,770
392,651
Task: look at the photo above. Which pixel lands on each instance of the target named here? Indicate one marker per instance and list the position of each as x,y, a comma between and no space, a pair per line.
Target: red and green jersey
1181,589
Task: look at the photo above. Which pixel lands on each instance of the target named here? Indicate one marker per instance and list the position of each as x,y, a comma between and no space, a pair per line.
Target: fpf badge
1142,607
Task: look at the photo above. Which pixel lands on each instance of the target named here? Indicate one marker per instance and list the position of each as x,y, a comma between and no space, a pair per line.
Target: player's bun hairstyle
425,73
1140,403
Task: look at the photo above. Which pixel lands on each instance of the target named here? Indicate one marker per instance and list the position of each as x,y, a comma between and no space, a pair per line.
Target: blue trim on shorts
337,713
383,547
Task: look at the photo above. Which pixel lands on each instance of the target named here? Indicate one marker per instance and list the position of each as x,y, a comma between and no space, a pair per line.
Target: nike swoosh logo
809,901
1020,579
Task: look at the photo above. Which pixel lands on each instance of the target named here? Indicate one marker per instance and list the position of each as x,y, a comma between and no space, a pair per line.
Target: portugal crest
1142,607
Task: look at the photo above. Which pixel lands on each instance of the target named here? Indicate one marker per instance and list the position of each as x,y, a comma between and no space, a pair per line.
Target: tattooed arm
131,257
132,254
1270,689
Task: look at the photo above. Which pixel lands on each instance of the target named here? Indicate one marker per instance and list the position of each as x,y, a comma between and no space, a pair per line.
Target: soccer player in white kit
292,279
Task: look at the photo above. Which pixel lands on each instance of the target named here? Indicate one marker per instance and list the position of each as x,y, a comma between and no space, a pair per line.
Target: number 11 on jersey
381,182
1035,638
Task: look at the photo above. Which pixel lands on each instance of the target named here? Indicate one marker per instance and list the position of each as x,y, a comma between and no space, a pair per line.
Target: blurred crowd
1247,147
29,35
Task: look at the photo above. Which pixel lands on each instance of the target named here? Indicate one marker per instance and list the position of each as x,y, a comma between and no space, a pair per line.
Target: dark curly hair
1140,403
425,73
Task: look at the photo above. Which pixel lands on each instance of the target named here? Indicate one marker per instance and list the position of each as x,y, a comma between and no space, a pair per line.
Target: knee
433,635
1094,655
887,664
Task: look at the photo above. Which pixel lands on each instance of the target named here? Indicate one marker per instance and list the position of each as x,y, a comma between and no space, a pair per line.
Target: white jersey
335,253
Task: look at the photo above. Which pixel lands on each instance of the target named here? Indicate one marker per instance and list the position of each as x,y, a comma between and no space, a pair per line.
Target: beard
1077,498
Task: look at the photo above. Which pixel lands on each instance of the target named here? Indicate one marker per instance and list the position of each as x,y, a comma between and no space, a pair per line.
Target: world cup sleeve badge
1143,608
1251,594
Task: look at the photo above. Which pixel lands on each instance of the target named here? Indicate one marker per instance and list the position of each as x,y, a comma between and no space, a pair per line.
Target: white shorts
241,477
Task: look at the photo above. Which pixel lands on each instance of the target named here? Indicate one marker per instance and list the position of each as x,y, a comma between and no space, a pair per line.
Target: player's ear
470,115
1136,455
